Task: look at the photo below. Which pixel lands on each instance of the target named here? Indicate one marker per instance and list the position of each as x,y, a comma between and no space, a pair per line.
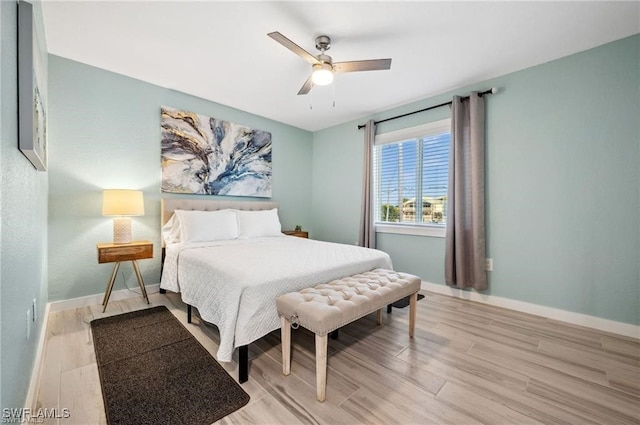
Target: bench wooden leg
321,367
413,304
380,316
285,334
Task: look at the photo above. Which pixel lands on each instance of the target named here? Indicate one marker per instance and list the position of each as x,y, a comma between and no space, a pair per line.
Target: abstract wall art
209,156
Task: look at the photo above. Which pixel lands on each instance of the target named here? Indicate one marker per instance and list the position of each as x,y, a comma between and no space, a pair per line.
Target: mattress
234,284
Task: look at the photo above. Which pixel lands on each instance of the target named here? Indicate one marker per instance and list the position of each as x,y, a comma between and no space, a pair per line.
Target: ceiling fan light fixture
322,74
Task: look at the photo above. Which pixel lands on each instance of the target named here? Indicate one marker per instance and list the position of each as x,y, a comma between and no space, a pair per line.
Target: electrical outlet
488,264
34,309
28,323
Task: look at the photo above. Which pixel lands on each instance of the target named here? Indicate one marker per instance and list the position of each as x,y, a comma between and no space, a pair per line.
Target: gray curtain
367,237
465,243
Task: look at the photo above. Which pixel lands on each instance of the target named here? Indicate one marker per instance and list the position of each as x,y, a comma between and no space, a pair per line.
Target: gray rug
153,371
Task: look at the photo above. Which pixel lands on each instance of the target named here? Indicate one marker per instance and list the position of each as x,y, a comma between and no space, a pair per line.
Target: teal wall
105,133
562,162
23,226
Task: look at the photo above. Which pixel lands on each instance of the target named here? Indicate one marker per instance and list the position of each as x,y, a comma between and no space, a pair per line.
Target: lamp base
122,230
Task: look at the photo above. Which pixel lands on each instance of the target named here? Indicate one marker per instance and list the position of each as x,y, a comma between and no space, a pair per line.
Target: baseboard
619,328
34,382
96,299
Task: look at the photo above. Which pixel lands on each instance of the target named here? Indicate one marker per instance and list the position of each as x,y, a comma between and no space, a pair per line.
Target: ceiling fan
322,67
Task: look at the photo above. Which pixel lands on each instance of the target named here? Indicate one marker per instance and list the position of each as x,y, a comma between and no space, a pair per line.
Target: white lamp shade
122,202
322,74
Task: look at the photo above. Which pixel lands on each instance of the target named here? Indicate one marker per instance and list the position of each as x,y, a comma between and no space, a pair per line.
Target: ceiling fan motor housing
325,59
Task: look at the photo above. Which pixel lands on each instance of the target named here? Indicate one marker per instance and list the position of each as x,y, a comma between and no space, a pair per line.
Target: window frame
406,134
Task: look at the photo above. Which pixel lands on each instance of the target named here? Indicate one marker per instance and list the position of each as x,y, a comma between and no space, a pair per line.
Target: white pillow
171,230
255,224
207,226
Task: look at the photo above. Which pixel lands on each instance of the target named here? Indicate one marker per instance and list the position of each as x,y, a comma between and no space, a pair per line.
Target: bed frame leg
389,306
188,313
243,363
163,291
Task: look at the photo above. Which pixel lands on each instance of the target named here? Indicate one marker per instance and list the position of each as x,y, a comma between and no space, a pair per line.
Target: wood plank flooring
469,363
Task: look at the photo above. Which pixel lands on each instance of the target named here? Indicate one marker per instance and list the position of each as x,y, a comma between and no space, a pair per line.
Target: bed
234,282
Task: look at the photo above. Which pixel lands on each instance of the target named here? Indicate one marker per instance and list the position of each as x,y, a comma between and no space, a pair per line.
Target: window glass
411,177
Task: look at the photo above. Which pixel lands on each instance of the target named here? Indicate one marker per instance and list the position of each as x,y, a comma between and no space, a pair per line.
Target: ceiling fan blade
293,47
366,65
306,87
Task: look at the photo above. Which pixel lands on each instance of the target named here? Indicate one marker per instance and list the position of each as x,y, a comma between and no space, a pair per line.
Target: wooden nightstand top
298,233
112,252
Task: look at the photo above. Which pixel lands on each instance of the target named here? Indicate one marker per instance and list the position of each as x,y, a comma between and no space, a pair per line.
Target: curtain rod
492,90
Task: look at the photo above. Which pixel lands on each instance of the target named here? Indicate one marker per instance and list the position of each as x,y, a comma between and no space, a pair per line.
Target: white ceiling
220,50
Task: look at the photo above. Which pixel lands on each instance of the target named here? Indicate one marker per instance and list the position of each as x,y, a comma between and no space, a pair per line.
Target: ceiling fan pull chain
334,93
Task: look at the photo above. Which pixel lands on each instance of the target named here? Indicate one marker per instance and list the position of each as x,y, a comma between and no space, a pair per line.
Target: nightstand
117,253
298,233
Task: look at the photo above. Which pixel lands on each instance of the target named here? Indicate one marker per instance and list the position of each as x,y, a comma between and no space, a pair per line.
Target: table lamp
123,204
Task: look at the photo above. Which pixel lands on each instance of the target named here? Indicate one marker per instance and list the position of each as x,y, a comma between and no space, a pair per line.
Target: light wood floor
469,363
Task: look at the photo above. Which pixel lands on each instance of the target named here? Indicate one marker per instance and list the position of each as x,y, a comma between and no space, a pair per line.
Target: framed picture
209,156
32,91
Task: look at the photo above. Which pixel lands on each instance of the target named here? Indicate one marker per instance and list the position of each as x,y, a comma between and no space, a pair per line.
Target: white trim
96,299
415,230
422,130
620,328
34,383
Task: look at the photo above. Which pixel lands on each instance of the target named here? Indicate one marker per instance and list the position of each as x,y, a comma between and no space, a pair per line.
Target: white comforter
234,284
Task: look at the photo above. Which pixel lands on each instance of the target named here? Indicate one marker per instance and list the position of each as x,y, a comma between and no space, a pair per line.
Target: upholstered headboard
169,205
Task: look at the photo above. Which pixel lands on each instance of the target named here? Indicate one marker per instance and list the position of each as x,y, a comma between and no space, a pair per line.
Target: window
411,174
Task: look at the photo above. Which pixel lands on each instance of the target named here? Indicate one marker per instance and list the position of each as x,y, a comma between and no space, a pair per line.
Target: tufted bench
329,306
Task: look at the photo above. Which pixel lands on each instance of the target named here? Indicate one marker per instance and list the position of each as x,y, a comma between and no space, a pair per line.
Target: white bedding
234,284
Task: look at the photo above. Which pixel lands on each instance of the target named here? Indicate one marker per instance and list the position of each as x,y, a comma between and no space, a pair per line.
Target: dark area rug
153,371
405,301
